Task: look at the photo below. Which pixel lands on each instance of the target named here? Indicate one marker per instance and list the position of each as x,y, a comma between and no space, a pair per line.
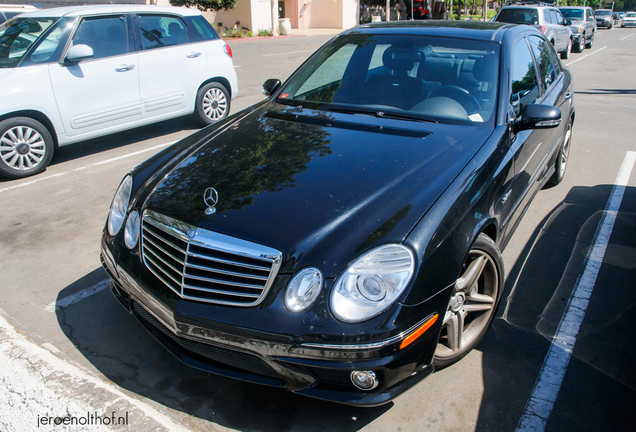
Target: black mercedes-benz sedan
341,239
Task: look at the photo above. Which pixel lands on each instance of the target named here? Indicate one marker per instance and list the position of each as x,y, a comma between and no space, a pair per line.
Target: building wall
261,15
242,13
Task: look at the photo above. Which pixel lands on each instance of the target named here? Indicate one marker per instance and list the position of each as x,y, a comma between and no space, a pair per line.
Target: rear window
519,16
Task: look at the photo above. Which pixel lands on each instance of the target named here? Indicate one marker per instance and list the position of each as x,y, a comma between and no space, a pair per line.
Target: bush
264,32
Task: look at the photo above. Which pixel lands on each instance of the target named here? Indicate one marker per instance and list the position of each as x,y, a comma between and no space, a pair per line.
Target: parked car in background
547,19
629,20
604,18
342,238
8,11
583,26
79,72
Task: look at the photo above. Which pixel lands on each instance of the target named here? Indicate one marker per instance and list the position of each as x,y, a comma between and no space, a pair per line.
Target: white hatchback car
74,73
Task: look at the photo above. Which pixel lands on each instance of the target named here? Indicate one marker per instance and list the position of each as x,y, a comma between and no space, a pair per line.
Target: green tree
205,5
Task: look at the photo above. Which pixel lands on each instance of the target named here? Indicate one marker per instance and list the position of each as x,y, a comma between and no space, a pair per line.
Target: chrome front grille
206,266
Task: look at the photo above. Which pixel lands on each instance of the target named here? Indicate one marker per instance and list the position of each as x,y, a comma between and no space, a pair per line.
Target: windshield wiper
376,113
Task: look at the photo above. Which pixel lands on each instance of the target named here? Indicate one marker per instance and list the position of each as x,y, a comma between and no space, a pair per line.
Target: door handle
124,68
193,55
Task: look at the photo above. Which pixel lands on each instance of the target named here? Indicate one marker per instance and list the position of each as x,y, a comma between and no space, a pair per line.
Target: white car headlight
119,206
131,233
372,283
303,289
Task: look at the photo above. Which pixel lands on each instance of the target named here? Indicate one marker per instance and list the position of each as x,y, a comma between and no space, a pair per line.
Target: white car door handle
193,55
124,68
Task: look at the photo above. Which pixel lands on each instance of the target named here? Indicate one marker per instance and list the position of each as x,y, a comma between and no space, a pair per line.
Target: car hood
319,187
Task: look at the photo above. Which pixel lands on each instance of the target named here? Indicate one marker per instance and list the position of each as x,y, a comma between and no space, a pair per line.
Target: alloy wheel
565,151
471,306
22,148
215,104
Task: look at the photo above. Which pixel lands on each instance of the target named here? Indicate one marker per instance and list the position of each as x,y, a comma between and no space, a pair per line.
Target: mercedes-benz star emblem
192,234
210,197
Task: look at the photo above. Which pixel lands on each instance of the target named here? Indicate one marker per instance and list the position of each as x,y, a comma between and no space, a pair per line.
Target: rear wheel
562,159
26,147
473,303
566,54
213,103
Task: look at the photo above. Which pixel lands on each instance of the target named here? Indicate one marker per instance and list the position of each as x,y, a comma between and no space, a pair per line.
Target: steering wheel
461,95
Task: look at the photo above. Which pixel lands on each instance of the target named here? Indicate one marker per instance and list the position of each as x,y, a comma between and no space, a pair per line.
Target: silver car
548,19
583,26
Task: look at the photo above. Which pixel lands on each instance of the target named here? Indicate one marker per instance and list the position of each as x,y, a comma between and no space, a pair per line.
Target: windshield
601,13
404,77
573,14
519,16
630,15
17,36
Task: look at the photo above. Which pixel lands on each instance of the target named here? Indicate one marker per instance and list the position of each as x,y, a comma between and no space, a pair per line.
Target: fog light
364,380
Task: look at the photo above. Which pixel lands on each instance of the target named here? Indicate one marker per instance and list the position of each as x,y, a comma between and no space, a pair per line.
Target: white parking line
85,167
37,384
74,298
627,36
600,49
285,53
546,388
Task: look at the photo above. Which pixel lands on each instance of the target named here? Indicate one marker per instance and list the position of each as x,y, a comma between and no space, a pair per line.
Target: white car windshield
18,35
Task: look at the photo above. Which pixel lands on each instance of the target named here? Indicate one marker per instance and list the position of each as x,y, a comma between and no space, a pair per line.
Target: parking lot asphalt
72,349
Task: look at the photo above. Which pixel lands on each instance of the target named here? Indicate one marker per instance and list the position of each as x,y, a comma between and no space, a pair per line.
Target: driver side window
525,89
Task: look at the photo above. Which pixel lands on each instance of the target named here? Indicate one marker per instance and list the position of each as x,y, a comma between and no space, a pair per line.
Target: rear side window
525,88
200,29
547,68
159,31
107,36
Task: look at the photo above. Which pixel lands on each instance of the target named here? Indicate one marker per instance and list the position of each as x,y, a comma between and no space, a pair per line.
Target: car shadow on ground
121,139
114,342
537,290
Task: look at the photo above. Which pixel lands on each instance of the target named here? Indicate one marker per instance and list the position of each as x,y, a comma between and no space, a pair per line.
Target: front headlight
119,206
372,283
303,289
131,233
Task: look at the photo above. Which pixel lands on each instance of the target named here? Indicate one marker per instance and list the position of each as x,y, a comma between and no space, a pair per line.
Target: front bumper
319,371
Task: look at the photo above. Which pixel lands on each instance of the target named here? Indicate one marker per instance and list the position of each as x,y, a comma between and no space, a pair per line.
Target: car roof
110,9
474,30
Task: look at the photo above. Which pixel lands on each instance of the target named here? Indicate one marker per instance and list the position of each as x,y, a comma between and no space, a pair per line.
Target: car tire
561,162
577,47
212,104
473,303
590,42
26,147
566,54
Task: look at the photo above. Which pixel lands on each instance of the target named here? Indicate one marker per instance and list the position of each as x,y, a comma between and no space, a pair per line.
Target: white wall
261,15
242,13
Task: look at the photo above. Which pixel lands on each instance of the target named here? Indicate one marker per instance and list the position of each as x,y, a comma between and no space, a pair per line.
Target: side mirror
568,22
78,53
270,86
536,116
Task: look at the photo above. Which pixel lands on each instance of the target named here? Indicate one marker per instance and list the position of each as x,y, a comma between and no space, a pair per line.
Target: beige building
253,14
257,14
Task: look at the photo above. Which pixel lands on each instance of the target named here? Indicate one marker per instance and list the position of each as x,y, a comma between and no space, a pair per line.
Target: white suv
74,73
8,11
